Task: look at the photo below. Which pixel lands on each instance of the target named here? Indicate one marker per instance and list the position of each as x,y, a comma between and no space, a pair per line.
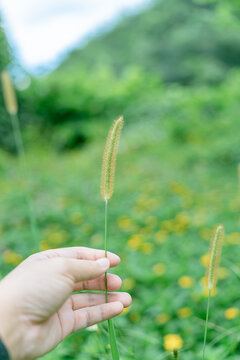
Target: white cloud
41,30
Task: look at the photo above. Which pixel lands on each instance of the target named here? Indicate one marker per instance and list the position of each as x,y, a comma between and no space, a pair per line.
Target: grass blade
113,342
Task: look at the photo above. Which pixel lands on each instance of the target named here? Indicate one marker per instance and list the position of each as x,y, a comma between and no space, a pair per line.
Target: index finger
80,253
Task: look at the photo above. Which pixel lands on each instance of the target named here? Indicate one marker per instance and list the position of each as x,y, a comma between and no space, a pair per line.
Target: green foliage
6,140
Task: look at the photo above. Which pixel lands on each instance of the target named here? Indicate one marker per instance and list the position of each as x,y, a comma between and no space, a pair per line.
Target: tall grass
11,105
107,184
215,255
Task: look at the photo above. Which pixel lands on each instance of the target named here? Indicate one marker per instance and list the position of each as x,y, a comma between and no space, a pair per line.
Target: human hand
38,308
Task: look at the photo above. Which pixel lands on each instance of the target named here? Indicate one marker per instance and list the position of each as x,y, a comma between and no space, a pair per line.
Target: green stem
206,324
111,330
105,245
22,160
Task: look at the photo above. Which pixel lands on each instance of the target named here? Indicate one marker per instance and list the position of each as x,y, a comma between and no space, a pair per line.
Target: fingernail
104,263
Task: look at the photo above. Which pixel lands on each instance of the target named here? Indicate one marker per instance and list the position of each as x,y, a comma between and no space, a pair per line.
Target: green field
175,79
175,180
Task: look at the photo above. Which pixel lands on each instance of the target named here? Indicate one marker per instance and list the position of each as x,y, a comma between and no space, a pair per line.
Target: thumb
81,270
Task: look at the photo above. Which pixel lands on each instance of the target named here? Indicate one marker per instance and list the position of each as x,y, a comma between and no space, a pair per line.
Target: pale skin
39,303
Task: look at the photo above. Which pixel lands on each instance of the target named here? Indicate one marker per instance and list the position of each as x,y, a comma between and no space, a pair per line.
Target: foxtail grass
215,256
107,185
11,105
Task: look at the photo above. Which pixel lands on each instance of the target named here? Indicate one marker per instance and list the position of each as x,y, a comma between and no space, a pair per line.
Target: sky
42,31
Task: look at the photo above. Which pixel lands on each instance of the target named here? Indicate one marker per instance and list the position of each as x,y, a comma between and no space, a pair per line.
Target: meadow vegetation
176,179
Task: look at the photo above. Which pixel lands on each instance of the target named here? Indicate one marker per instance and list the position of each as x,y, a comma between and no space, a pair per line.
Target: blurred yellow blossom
205,260
162,319
135,241
129,284
234,205
147,248
222,273
160,236
206,233
134,317
44,245
233,238
151,221
76,218
159,269
179,189
11,258
96,240
186,281
125,223
172,342
87,229
231,313
125,311
184,312
55,238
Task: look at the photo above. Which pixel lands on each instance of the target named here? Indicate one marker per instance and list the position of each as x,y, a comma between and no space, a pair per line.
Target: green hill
181,40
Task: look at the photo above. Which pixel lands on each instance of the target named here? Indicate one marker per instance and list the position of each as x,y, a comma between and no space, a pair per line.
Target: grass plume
9,95
108,170
109,159
215,256
11,105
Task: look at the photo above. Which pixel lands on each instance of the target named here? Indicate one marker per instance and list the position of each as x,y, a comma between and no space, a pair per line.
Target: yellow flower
87,229
44,245
231,313
129,284
159,269
206,234
151,221
172,342
179,189
186,281
125,223
147,248
125,311
76,218
222,273
96,240
55,238
184,312
162,319
205,260
160,236
11,258
134,317
135,241
233,238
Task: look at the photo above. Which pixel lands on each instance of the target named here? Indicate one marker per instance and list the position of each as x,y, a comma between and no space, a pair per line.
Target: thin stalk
206,324
111,330
22,160
105,245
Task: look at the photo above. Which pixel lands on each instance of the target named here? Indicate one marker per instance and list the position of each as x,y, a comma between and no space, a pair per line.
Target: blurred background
172,68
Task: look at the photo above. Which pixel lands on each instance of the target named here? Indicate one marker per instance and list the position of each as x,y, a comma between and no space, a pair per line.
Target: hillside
185,41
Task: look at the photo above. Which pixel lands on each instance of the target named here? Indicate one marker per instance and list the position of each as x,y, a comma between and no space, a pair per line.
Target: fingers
81,270
80,253
113,281
95,314
80,301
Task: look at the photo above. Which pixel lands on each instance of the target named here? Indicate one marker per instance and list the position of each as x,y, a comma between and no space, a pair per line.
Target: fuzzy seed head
109,159
9,93
215,255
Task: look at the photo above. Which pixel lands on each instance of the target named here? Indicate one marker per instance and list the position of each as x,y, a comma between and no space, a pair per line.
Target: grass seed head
215,255
9,93
109,159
